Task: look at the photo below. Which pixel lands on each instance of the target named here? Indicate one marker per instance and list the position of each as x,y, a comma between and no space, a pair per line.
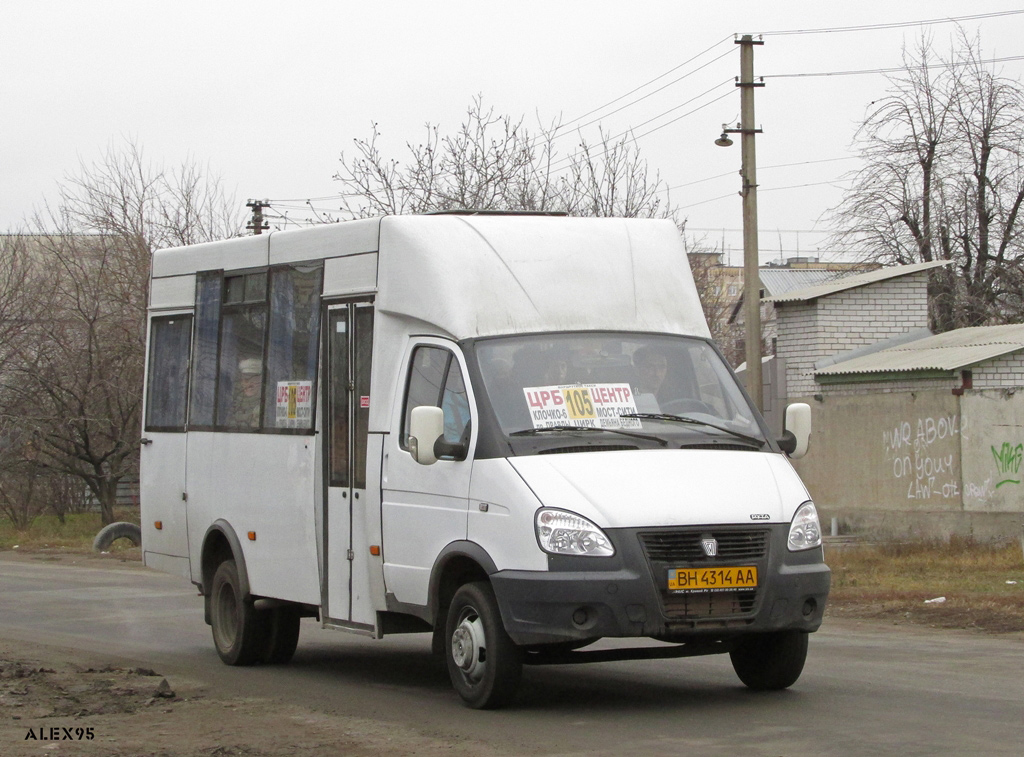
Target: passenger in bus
245,404
651,369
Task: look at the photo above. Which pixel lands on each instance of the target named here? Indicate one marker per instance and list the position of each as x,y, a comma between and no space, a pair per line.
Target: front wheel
484,664
770,661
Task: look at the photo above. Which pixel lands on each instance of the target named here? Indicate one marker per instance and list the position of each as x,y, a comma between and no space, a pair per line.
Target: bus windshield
645,384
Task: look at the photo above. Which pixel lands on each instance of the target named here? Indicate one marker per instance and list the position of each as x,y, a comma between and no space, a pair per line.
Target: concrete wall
921,464
992,451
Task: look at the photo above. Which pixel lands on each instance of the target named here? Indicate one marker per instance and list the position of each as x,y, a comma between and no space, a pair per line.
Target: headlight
564,533
805,530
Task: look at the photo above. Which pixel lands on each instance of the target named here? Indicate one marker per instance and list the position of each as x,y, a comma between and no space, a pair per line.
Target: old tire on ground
282,634
484,664
770,661
240,632
120,530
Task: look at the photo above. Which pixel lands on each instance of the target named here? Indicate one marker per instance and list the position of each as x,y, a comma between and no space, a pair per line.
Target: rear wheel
770,661
239,631
484,664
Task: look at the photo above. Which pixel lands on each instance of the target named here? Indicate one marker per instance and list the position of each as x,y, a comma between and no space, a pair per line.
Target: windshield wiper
687,419
567,429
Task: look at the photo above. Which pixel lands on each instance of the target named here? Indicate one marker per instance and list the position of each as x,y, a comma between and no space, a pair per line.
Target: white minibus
512,431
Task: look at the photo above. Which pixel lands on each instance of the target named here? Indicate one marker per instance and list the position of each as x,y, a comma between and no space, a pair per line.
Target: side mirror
797,434
426,425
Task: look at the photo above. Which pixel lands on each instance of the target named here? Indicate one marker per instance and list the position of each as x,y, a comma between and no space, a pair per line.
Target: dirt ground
74,704
56,701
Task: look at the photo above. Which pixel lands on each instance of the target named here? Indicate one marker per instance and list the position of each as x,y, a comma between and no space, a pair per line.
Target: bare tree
76,376
19,304
943,179
19,500
494,162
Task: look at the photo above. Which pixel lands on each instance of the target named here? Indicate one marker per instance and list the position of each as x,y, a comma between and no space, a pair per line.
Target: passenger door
349,340
162,458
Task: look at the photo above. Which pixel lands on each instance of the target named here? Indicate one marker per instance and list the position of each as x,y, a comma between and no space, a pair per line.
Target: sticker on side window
294,404
593,405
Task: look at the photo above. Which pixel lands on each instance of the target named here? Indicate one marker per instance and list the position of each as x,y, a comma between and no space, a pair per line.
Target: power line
894,25
659,89
556,165
883,70
831,182
656,78
760,168
705,202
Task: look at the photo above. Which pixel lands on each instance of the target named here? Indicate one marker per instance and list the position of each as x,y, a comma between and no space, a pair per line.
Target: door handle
144,440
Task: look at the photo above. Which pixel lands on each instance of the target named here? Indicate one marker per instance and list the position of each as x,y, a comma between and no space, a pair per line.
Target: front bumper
626,595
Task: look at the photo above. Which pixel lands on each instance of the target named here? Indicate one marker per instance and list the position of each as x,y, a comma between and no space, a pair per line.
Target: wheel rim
226,616
469,646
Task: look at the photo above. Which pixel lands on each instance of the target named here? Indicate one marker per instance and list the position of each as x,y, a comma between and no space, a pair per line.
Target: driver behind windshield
651,367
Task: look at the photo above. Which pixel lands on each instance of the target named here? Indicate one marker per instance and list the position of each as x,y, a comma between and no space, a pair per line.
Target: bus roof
484,275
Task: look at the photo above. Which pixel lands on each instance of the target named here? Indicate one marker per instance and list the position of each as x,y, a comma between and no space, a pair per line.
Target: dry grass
983,584
74,535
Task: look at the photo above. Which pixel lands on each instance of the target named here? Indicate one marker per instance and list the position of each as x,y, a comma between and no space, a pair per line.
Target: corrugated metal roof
851,282
779,281
946,352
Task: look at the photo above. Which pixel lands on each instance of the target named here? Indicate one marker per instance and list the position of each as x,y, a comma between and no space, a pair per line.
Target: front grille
681,548
717,605
677,545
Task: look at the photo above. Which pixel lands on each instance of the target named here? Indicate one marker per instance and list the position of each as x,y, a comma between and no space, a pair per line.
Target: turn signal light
159,525
375,550
252,536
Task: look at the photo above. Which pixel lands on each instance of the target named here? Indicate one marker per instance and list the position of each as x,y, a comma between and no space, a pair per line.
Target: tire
240,632
770,661
120,530
484,664
282,634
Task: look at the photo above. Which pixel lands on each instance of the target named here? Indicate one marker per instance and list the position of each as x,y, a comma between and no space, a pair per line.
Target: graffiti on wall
919,457
1008,459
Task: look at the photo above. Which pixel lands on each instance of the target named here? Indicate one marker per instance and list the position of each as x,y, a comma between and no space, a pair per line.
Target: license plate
712,579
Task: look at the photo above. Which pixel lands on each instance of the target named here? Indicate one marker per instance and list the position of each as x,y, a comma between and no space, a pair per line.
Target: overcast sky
269,94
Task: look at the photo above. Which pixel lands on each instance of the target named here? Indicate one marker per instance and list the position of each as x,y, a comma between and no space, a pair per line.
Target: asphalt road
868,688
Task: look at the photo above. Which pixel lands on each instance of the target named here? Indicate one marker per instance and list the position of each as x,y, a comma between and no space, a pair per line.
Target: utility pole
257,224
748,170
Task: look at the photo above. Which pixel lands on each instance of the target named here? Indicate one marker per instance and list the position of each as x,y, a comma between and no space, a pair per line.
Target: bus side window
241,368
257,342
204,354
167,390
293,347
